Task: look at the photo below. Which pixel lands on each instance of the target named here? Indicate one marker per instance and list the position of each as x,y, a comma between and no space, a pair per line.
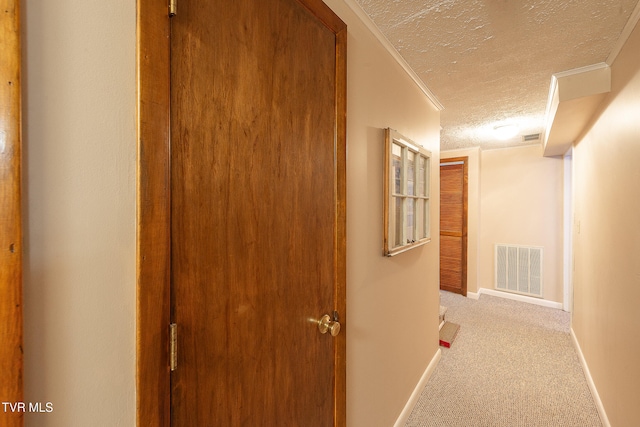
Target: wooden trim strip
319,9
465,223
153,221
341,227
11,257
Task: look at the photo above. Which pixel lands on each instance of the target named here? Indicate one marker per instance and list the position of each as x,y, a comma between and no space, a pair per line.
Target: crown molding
582,70
626,32
366,20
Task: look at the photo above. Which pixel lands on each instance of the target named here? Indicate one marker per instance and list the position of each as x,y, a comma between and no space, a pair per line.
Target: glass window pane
410,220
421,175
427,173
425,220
396,152
411,159
408,185
420,218
397,222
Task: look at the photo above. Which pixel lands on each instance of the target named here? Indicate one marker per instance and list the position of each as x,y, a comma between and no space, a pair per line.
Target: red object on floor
448,333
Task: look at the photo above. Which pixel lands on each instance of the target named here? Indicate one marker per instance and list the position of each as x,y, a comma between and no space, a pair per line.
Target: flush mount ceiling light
504,132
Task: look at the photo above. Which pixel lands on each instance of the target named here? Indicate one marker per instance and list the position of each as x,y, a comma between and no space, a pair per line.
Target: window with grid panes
406,211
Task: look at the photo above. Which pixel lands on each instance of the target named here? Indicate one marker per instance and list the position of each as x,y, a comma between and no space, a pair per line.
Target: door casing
153,210
11,257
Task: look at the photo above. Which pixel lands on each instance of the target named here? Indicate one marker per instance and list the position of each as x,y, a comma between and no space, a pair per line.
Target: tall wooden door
257,213
453,225
10,213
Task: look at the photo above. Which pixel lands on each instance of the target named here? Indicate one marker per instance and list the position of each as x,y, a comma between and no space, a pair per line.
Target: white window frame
407,203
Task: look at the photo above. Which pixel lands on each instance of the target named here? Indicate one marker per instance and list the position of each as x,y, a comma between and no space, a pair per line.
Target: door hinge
173,7
173,346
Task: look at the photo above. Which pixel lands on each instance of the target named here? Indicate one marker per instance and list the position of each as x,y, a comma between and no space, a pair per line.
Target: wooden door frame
465,214
153,242
11,256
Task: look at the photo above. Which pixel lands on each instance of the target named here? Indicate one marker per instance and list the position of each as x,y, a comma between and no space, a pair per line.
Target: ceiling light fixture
504,132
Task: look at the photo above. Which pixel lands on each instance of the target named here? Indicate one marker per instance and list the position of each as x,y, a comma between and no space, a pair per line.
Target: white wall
606,319
521,203
515,197
80,148
392,332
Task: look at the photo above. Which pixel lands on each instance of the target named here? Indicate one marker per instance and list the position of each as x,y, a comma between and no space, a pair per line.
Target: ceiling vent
532,137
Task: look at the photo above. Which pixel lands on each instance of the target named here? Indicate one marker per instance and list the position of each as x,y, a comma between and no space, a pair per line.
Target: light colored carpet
512,364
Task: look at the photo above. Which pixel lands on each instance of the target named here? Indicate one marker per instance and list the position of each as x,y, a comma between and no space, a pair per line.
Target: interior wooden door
257,213
453,225
10,213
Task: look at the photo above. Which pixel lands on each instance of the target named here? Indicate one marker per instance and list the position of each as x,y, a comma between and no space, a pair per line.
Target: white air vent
532,137
519,269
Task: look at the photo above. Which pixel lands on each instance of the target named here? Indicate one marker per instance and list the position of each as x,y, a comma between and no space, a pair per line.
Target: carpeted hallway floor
512,364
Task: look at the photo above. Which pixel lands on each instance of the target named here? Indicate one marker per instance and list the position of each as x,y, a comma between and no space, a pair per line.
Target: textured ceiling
490,61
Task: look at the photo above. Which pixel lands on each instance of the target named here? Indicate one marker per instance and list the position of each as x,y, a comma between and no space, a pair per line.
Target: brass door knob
325,324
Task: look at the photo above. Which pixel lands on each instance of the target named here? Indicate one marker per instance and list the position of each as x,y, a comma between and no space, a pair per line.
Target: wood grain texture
11,325
258,213
453,226
153,214
153,226
451,198
450,263
387,244
340,279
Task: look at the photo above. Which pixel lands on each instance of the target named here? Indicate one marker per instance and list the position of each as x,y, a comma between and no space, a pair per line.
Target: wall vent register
518,269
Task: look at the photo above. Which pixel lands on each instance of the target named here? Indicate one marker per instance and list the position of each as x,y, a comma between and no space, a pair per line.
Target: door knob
325,324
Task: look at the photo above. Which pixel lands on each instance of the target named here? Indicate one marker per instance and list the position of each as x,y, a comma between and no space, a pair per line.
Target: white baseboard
516,297
404,415
592,386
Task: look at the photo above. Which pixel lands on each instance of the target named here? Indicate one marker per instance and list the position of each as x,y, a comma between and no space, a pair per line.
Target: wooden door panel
451,199
451,180
450,280
451,219
453,226
451,247
254,213
450,266
454,199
